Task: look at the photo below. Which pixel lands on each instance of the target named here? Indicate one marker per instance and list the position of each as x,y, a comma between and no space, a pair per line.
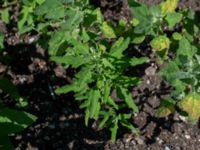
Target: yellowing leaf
168,6
165,111
160,43
191,105
107,30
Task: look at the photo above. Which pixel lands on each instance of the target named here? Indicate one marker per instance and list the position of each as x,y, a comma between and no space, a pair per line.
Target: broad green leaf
74,61
106,116
112,103
137,39
84,77
185,49
107,63
191,105
169,6
119,47
124,116
5,15
56,40
94,96
155,11
66,89
108,31
52,9
173,18
126,96
16,117
1,41
160,43
142,22
84,104
113,130
138,61
80,48
122,22
177,36
93,17
106,93
134,22
169,71
84,35
25,22
74,18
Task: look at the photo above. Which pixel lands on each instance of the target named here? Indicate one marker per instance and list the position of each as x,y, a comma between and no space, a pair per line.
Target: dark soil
60,123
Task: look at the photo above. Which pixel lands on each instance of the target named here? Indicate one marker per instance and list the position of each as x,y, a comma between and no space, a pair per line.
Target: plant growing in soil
12,120
101,70
79,38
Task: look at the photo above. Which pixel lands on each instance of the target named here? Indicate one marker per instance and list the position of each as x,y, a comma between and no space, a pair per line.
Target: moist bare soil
60,123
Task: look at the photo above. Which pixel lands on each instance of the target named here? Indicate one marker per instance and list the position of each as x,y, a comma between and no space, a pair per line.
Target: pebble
160,141
167,148
183,118
187,137
62,118
139,141
71,144
150,71
148,81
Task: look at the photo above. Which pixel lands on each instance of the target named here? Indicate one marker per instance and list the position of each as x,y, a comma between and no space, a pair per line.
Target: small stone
139,141
71,145
183,118
167,148
148,81
62,118
160,141
187,137
150,71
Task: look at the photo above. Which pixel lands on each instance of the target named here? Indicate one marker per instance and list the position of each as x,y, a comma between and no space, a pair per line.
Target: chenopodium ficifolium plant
151,21
82,40
183,71
101,72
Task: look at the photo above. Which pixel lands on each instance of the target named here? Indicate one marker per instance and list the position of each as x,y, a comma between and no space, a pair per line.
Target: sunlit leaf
191,105
160,43
52,9
173,18
168,6
5,16
119,47
107,30
127,97
113,130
